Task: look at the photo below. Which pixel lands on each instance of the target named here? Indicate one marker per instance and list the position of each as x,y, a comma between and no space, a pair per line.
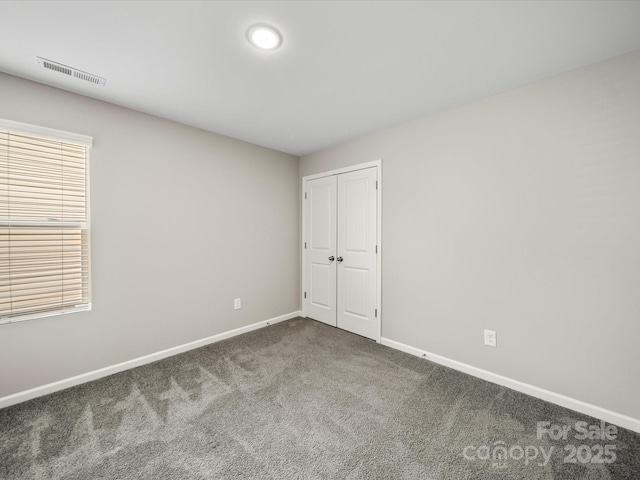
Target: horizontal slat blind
44,237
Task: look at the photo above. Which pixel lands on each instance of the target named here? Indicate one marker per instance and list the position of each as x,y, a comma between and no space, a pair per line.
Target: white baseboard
559,399
136,362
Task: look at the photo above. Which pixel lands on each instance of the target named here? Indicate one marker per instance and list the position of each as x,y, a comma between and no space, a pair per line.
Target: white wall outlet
237,303
490,338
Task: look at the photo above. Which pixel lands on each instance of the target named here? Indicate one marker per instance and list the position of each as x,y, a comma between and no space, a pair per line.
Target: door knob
332,258
340,259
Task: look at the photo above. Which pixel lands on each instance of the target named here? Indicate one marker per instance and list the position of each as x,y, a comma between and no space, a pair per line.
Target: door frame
351,168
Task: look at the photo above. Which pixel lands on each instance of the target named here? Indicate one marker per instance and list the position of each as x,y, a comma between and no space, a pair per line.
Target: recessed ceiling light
264,36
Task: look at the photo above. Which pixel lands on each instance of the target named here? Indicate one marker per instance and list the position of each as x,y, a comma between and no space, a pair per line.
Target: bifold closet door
356,252
340,235
320,238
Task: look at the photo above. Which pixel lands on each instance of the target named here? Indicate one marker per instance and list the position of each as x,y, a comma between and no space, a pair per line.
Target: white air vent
70,71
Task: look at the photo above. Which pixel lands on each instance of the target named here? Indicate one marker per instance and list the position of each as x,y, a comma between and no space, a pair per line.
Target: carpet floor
303,400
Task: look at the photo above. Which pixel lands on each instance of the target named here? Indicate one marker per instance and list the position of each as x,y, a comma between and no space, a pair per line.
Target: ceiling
345,68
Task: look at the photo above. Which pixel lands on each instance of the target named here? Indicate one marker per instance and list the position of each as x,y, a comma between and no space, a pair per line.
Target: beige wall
183,222
519,213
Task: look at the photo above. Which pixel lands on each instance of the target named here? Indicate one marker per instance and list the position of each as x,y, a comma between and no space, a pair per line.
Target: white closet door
356,253
320,235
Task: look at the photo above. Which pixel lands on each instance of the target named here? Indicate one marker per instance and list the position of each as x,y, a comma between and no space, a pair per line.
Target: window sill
23,318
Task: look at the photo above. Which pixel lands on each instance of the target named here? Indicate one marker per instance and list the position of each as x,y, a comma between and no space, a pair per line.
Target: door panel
322,207
321,288
355,207
356,244
355,297
320,236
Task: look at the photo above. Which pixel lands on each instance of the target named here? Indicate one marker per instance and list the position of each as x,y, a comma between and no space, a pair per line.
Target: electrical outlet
237,303
490,338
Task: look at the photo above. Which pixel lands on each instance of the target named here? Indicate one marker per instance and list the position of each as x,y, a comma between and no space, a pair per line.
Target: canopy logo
499,454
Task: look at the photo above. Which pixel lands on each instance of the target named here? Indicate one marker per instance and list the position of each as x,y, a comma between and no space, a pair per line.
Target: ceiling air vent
70,71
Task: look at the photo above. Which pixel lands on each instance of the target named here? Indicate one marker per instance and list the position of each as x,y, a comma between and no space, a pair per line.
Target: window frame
66,137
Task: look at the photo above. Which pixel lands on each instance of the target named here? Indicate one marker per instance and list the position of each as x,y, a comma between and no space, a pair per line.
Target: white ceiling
345,68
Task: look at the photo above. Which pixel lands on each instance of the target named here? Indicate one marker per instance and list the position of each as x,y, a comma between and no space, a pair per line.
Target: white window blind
44,222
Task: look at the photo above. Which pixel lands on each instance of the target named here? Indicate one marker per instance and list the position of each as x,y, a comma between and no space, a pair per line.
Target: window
44,222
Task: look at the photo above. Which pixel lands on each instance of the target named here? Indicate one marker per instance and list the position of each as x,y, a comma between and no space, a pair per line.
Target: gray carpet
299,400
